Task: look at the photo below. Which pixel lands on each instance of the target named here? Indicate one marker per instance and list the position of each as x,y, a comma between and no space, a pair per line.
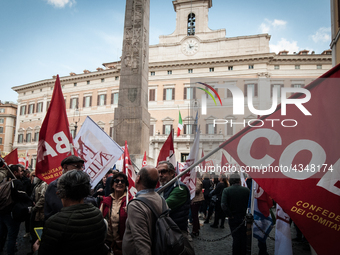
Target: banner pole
4,162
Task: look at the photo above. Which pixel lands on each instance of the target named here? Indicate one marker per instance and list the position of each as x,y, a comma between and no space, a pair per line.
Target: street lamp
76,119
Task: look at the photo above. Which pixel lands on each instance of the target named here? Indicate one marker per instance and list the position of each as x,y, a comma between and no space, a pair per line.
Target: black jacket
77,229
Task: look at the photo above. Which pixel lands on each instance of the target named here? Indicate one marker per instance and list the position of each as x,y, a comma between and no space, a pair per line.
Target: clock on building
190,46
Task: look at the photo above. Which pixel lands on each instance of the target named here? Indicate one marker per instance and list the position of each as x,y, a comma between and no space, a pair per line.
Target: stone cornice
67,79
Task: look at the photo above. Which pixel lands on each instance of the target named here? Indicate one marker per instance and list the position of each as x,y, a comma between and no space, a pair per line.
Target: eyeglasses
118,181
163,171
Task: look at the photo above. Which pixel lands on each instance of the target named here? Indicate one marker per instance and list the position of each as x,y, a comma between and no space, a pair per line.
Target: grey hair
74,185
170,165
147,181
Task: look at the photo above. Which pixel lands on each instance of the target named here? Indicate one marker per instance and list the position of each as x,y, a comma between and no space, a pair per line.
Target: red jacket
107,203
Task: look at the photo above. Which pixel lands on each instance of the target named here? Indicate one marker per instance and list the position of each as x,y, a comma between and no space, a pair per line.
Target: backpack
168,238
5,194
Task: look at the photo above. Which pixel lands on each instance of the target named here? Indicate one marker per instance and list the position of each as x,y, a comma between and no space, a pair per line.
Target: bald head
148,177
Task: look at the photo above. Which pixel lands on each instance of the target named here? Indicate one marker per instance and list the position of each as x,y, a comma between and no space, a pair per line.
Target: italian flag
180,124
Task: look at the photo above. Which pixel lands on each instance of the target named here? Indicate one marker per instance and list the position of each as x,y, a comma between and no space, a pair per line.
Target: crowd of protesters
79,220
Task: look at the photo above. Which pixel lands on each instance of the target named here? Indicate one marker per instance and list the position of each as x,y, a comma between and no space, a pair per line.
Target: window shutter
111,132
98,100
151,130
206,128
216,92
42,107
164,95
25,109
171,128
185,93
173,94
90,101
111,98
163,129
245,89
84,101
33,108
37,107
70,103
255,88
194,97
184,129
105,99
48,104
215,130
77,103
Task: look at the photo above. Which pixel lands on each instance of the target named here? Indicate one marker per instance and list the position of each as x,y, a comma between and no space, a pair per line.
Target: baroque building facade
192,53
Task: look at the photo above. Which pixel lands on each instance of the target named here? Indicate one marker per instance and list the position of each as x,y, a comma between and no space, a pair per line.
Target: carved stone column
132,119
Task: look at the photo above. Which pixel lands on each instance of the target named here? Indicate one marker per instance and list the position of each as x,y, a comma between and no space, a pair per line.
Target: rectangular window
23,110
0,140
253,87
87,101
276,67
152,95
111,132
211,69
40,107
28,137
88,82
184,157
114,98
1,130
73,103
117,78
318,66
210,129
152,73
297,66
101,100
169,72
20,138
167,129
189,93
278,86
102,80
188,129
31,109
190,70
169,94
36,136
151,130
251,67
2,110
296,86
2,121
75,84
73,133
230,68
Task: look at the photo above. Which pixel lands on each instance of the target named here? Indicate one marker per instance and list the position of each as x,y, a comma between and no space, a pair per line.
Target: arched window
191,24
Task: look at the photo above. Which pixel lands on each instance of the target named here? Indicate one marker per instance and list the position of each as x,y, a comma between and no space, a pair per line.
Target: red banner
144,163
294,157
54,139
129,171
167,152
12,157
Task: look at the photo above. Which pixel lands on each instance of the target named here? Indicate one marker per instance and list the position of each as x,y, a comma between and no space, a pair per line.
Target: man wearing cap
53,203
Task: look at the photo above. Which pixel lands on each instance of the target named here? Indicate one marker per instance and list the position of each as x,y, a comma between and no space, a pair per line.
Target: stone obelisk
132,119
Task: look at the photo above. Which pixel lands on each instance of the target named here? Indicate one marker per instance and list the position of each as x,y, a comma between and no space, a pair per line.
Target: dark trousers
194,213
239,236
13,230
219,214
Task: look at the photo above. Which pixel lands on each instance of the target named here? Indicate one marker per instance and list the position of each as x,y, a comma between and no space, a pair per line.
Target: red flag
167,153
264,202
144,160
27,160
12,157
54,139
303,160
224,161
129,171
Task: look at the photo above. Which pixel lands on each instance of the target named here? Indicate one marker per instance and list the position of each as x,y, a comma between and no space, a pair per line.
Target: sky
42,38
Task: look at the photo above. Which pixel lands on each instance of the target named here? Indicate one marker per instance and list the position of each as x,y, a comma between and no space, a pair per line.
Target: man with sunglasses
53,203
177,196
